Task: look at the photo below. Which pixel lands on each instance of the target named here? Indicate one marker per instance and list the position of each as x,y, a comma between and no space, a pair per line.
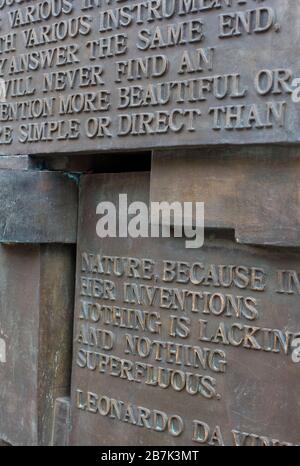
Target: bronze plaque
90,75
175,346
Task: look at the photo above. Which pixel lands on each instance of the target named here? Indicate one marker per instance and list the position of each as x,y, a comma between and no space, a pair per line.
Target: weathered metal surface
61,422
37,207
174,346
15,162
36,309
253,191
4,444
105,75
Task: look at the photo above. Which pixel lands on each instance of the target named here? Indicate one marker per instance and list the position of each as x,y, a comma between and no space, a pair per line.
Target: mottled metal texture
37,207
4,444
244,318
36,309
103,76
253,191
61,422
15,162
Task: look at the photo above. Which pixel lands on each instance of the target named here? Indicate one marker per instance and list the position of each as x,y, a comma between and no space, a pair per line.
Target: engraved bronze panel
175,346
99,75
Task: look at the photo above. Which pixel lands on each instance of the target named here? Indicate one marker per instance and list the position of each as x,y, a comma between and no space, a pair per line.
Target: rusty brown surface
36,289
254,191
61,422
251,393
